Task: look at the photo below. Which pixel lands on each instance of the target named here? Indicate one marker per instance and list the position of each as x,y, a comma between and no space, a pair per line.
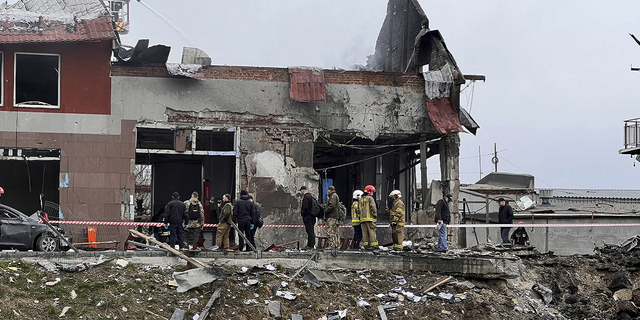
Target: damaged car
21,232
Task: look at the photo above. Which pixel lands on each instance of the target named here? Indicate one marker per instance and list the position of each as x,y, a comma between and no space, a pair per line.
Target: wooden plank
413,234
288,243
437,284
156,315
205,312
177,253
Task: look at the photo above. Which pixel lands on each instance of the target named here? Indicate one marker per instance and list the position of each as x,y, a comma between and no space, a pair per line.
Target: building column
450,179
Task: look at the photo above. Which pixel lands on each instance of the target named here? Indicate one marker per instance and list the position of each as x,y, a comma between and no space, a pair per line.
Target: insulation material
437,84
444,116
193,71
307,84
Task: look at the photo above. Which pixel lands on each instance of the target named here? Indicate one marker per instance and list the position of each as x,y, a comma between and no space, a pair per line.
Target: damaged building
194,126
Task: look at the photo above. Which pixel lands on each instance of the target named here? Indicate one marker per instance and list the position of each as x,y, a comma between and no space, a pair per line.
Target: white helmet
395,194
357,194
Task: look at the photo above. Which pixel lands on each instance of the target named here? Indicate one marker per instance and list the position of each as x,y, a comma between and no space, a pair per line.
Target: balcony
631,137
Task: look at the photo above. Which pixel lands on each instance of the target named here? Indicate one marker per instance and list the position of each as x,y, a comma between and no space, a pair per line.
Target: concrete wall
277,134
567,240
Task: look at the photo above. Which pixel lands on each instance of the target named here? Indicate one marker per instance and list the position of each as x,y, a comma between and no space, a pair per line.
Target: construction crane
120,14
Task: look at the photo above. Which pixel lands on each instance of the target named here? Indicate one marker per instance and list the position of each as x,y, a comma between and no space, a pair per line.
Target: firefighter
397,219
368,218
355,219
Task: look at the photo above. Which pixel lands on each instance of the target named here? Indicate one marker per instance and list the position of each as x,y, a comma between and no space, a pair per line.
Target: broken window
214,140
37,80
152,138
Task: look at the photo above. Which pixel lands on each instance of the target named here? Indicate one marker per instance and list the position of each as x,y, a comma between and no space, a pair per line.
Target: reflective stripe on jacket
397,212
355,214
368,209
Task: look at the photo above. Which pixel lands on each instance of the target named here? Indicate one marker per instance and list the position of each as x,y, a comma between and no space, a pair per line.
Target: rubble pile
600,286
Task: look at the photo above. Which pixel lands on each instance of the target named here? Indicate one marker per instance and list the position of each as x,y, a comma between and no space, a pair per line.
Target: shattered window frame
41,104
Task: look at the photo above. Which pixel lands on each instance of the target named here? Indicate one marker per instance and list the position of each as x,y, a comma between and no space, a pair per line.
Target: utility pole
495,159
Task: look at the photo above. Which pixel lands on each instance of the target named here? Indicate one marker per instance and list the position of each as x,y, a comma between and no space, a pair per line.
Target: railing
632,133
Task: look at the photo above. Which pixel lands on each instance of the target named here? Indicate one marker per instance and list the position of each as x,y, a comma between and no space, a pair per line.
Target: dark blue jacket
177,213
442,212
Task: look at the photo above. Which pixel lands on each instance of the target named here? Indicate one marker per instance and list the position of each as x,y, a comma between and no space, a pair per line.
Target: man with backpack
256,221
196,220
331,213
178,220
243,212
308,217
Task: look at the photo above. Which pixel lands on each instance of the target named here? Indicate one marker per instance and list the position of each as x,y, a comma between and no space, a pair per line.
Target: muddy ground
582,287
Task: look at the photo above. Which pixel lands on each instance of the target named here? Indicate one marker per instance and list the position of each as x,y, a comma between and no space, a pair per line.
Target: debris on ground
194,278
605,285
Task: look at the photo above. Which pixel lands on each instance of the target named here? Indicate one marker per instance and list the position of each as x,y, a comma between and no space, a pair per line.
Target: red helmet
369,189
1,190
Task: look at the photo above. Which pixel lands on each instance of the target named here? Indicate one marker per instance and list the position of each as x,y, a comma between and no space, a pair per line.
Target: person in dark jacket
520,236
178,220
160,233
307,218
442,218
255,216
243,212
505,216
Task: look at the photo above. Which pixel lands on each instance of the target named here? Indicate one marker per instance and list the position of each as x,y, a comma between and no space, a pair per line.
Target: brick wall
99,167
408,80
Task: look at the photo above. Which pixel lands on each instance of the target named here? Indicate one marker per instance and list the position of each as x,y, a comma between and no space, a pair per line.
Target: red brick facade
85,86
412,82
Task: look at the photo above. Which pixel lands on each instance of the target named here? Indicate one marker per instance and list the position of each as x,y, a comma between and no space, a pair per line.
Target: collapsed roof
41,21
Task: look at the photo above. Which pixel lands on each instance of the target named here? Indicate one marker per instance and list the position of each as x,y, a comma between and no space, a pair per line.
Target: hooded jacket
176,213
200,221
243,209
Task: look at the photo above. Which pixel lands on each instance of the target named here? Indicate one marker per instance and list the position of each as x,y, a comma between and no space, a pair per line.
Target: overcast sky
558,88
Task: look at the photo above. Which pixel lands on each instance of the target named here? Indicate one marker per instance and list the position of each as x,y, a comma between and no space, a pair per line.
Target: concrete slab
469,266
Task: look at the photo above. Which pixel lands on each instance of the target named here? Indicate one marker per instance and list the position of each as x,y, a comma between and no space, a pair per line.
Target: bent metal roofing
40,21
596,193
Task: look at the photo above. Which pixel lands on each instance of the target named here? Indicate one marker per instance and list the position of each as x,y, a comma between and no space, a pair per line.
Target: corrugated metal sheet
307,85
443,115
596,194
40,21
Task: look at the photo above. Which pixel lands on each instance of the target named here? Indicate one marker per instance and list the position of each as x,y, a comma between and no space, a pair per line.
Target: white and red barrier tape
541,225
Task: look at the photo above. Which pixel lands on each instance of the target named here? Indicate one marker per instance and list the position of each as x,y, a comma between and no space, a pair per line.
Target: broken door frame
194,151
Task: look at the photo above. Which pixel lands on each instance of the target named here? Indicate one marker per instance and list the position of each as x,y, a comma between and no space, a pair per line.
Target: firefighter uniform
368,218
397,223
